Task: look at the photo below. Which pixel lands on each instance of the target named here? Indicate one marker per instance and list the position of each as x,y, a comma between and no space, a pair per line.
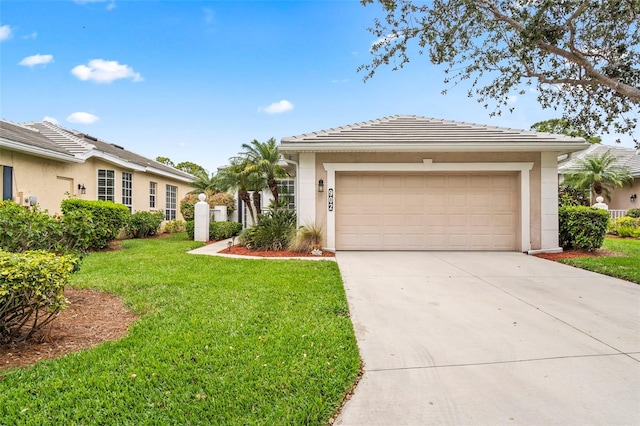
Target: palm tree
264,158
206,183
599,174
237,176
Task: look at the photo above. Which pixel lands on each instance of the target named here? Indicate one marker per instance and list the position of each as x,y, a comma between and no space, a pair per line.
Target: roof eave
439,147
39,152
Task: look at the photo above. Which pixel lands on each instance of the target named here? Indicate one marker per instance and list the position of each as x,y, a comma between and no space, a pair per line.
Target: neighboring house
621,198
47,163
415,183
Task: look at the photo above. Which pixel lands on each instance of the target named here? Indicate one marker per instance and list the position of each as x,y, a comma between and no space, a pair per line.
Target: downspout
297,194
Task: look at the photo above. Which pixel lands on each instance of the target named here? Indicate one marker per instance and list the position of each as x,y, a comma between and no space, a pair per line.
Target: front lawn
220,341
624,263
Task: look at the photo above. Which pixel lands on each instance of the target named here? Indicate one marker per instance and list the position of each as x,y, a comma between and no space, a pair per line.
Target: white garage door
426,211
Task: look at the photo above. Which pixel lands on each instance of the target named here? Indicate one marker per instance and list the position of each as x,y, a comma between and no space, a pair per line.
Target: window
106,185
287,192
172,201
152,194
7,182
127,189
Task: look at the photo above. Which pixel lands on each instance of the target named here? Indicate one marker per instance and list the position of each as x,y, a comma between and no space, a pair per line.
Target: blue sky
193,80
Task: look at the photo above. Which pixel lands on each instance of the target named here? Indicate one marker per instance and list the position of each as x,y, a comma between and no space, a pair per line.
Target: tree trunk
273,187
244,196
257,204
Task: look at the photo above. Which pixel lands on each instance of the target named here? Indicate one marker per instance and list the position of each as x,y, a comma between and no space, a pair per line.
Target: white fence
615,214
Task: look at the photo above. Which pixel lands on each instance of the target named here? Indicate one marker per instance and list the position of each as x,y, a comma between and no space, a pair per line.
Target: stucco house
407,182
621,198
45,163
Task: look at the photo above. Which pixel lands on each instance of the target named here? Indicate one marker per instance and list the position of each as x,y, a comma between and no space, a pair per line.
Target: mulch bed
243,251
571,254
92,317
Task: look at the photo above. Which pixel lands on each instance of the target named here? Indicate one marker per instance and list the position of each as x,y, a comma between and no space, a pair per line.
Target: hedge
144,224
31,291
108,218
581,227
217,230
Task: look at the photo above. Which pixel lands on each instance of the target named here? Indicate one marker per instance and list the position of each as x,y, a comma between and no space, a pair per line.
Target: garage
426,211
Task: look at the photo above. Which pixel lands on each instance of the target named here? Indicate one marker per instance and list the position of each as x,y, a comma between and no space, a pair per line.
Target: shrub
31,291
633,213
273,231
108,218
189,226
174,226
627,226
306,238
187,204
223,230
569,196
582,227
26,228
144,224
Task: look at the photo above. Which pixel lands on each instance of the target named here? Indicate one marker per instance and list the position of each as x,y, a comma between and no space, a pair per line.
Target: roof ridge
71,142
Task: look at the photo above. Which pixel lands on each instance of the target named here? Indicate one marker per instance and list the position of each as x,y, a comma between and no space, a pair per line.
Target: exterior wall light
633,198
82,189
320,185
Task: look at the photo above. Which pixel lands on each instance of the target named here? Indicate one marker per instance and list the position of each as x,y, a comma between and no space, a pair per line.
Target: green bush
569,196
25,228
633,213
144,224
581,227
223,230
217,230
274,231
174,226
108,218
627,226
306,238
31,291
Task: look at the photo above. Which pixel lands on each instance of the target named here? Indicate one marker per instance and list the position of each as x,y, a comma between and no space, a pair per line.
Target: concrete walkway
474,338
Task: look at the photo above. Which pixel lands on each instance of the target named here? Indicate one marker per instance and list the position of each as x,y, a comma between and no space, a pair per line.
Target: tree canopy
166,161
598,173
582,56
561,126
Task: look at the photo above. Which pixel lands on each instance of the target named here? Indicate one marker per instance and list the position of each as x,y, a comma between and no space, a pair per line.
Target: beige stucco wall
53,181
458,157
620,196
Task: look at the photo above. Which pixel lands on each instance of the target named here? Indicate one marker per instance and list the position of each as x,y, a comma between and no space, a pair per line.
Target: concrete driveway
478,338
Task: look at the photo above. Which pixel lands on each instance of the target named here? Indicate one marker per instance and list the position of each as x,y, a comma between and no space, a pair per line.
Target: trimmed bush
174,226
31,287
108,218
217,230
274,231
633,213
627,226
144,224
25,228
581,227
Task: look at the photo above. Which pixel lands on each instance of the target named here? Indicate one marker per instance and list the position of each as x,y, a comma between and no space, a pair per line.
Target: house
621,198
44,163
407,182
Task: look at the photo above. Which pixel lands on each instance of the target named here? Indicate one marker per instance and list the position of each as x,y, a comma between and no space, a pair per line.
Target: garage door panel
426,211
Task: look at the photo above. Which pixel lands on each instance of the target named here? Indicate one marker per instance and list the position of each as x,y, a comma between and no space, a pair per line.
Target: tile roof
85,146
412,129
31,139
627,157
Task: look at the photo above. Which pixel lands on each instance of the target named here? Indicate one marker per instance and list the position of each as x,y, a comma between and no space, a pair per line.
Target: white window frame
127,190
290,193
109,177
153,190
171,210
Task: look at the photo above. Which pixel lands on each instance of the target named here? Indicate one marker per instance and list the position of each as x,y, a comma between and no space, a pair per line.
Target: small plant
273,231
174,226
144,224
31,287
306,239
108,218
627,226
187,204
223,230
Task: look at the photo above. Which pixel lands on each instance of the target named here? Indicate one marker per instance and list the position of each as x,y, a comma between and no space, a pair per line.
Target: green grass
220,341
626,266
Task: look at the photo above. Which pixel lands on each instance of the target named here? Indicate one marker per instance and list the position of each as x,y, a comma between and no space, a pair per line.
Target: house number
330,199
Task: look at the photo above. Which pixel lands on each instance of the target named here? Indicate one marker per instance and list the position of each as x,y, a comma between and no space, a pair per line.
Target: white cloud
50,119
32,61
278,107
512,99
5,32
82,117
110,6
102,71
33,36
209,15
385,40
